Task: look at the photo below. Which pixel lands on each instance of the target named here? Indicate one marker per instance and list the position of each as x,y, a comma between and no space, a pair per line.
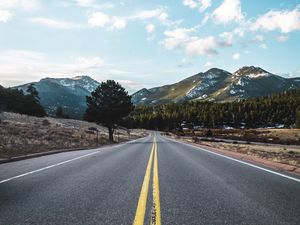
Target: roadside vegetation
22,134
14,100
278,110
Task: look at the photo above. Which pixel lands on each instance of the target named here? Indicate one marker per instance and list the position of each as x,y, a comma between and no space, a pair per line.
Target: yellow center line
155,212
141,208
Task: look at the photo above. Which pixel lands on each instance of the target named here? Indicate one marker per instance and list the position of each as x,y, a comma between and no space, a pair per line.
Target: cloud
285,21
236,56
130,85
94,4
259,38
176,37
192,45
118,23
150,28
208,64
201,46
190,3
263,45
26,5
5,16
228,11
57,24
159,13
98,19
227,39
202,5
282,38
20,66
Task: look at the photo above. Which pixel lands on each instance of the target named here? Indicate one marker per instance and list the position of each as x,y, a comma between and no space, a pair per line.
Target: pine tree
108,104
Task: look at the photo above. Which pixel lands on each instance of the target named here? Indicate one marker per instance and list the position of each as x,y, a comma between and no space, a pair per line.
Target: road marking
64,162
142,203
47,167
155,212
236,160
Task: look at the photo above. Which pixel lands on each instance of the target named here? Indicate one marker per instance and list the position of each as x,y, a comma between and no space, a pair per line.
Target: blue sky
145,43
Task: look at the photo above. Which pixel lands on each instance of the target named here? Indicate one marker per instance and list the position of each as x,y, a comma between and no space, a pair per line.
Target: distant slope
218,85
70,93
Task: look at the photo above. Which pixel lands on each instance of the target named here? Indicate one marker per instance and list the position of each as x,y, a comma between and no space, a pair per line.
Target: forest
278,110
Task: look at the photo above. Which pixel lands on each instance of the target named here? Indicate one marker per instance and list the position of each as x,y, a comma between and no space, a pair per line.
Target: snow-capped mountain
218,85
69,93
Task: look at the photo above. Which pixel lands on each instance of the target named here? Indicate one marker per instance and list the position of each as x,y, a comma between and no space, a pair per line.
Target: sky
143,43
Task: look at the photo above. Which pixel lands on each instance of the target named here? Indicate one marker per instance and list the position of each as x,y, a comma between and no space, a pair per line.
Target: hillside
21,134
69,93
219,86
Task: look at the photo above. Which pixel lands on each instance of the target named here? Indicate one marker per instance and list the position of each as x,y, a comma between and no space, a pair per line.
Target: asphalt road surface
153,180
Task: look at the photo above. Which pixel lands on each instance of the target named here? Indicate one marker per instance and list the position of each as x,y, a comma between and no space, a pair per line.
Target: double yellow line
142,203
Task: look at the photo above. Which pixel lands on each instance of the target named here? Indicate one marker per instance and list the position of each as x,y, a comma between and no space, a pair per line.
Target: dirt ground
21,134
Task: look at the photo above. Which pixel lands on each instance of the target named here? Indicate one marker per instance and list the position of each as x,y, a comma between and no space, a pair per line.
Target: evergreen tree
108,104
60,113
33,92
298,119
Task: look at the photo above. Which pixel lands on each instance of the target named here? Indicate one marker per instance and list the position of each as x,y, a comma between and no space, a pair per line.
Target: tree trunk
111,134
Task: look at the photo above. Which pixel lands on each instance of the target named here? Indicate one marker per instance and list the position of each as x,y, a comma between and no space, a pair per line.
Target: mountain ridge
69,93
218,85
213,85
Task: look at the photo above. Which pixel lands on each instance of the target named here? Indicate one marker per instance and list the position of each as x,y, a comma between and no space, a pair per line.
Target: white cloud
239,31
190,3
159,13
236,56
259,38
282,38
263,45
5,16
176,37
201,46
227,39
130,85
286,21
90,63
118,23
202,5
57,24
150,28
98,19
19,66
26,5
228,11
94,4
208,64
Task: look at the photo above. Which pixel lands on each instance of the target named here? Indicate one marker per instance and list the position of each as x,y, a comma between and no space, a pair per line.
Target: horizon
145,44
134,91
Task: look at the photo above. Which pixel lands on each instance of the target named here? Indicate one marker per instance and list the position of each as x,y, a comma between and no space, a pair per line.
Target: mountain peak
82,77
250,70
217,72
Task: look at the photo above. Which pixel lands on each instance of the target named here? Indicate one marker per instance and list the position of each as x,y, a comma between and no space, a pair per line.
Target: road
151,180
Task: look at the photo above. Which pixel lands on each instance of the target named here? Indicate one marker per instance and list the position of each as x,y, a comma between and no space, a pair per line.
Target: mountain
69,93
219,86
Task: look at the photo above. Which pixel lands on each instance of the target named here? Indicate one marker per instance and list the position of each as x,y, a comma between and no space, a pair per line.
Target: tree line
269,111
14,100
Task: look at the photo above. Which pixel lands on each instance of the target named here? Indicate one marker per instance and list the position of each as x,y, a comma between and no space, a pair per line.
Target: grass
21,135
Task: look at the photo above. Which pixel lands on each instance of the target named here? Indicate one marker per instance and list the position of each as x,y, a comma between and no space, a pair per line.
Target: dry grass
278,153
20,134
279,136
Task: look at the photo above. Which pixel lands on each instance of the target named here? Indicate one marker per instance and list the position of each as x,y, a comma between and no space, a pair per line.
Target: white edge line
236,160
64,162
